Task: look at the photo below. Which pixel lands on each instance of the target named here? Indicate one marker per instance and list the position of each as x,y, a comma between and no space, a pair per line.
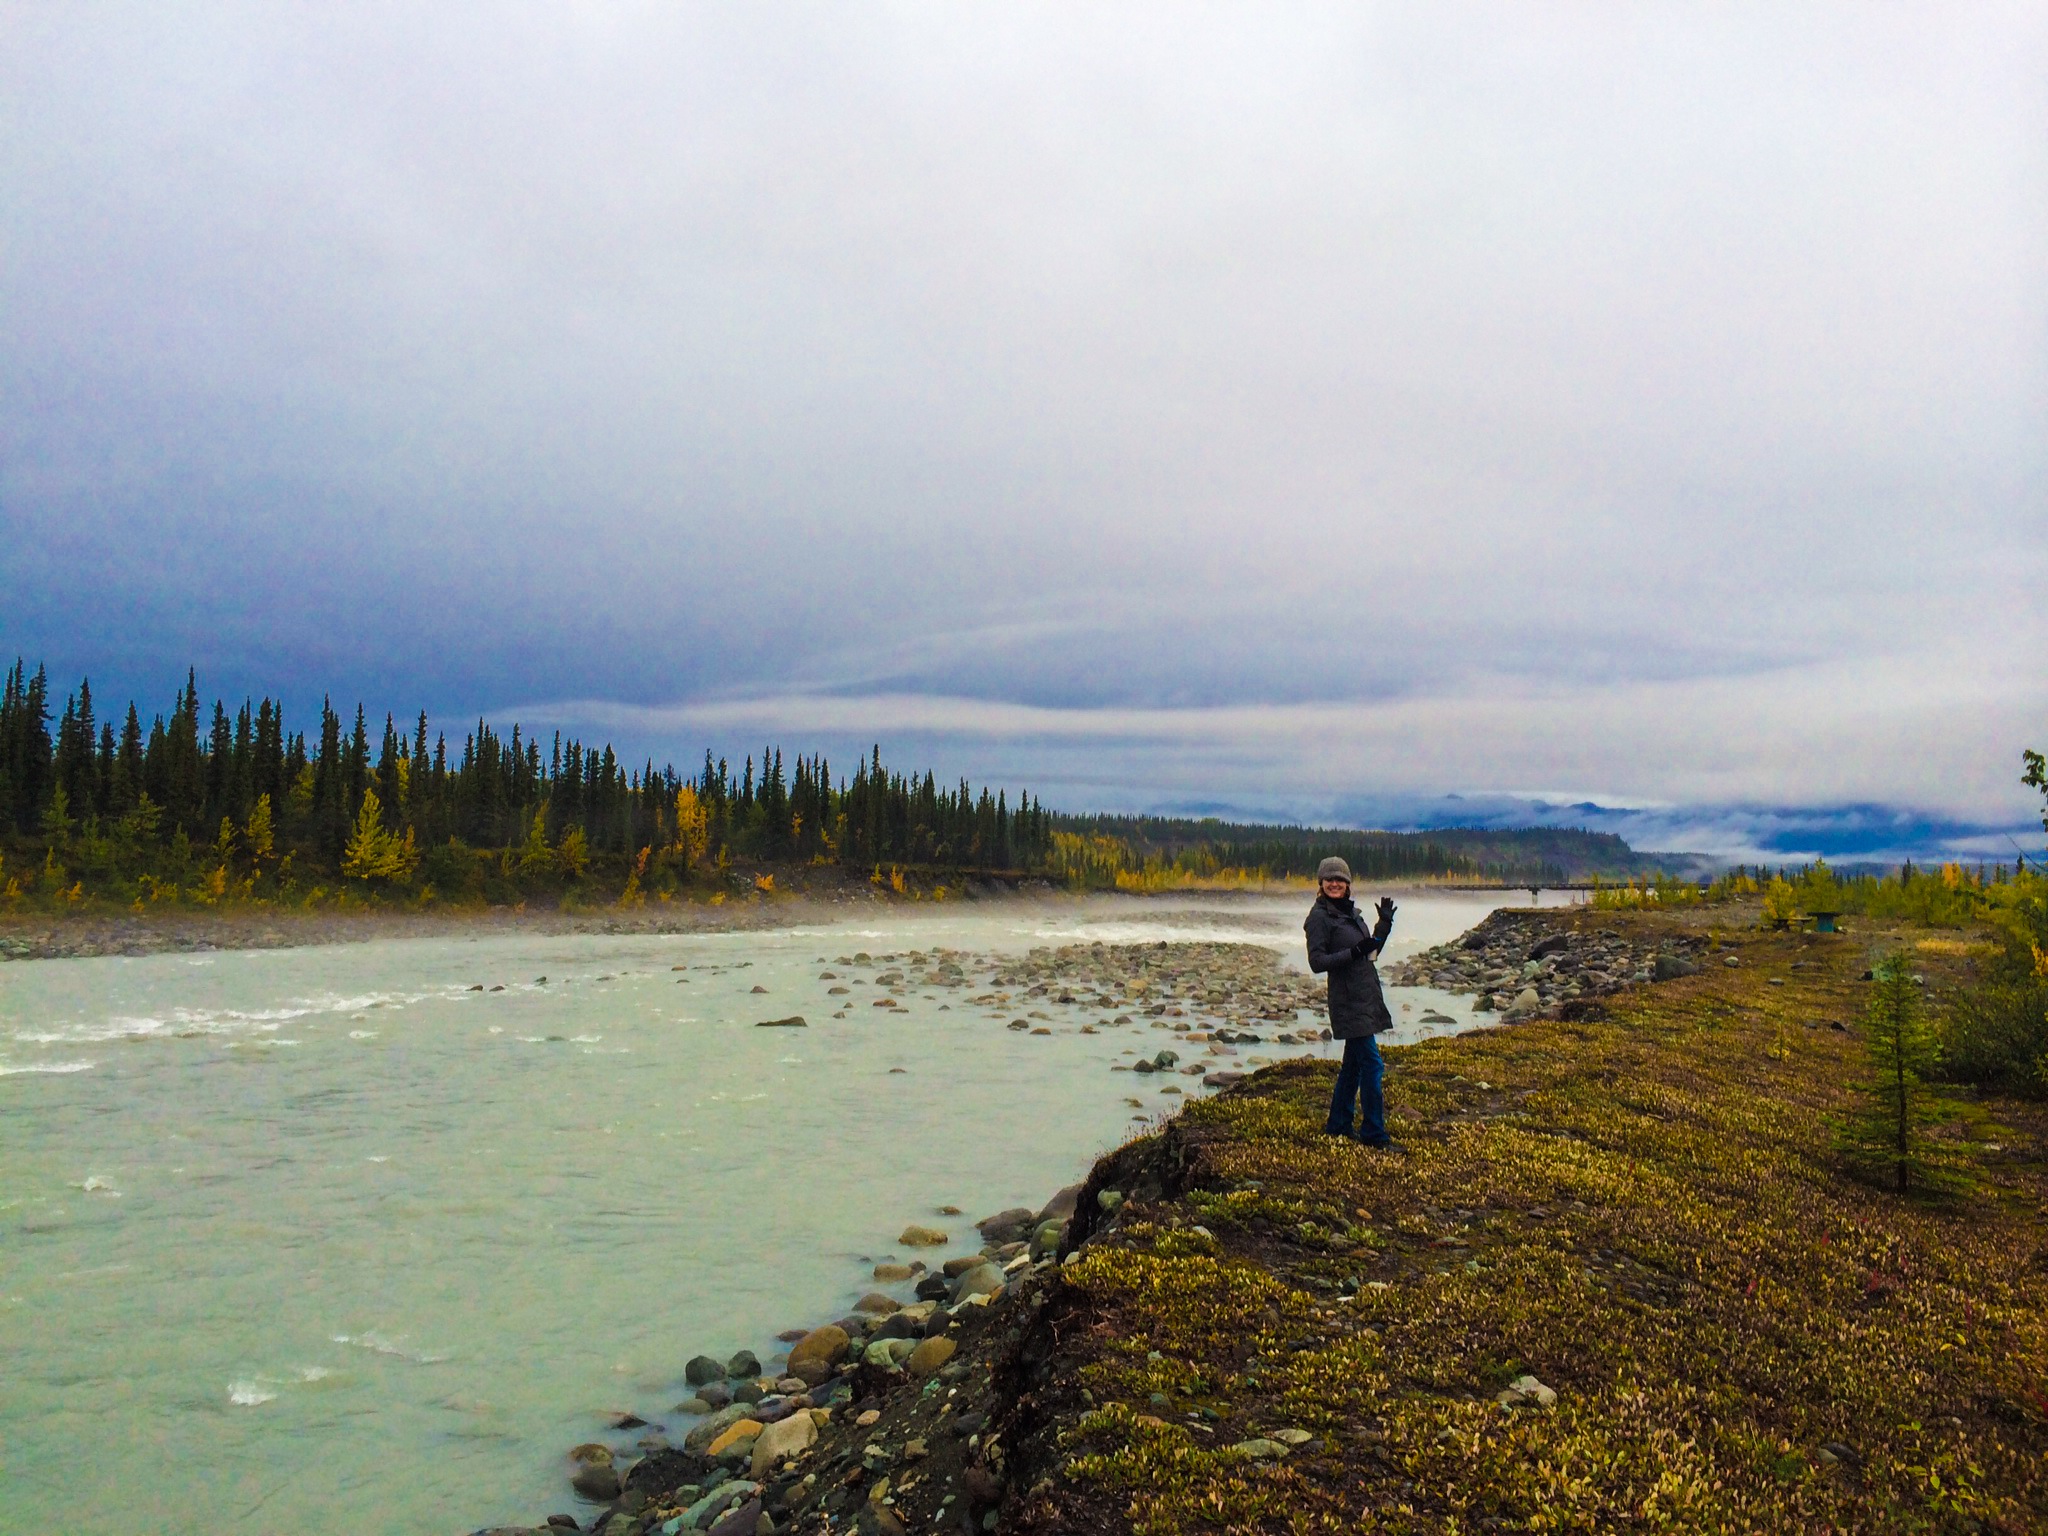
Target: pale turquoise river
324,1240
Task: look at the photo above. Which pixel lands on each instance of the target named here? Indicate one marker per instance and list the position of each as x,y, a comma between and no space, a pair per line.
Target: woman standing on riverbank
1341,950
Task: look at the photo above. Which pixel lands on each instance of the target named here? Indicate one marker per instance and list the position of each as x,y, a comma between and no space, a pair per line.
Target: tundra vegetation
1623,1279
1992,1030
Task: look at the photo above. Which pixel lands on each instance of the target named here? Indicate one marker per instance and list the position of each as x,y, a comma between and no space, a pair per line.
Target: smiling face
1336,888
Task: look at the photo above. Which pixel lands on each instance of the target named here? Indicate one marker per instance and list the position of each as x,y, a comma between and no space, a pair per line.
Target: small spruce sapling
1887,1133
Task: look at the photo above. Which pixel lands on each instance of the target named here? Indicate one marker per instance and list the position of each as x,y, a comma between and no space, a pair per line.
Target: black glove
1385,912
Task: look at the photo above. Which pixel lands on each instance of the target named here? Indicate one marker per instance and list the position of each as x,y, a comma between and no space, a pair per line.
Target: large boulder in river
702,1371
812,1357
597,1481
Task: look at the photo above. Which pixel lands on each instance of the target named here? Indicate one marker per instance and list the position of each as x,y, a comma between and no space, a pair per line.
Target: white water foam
377,1344
248,1394
221,1021
23,1068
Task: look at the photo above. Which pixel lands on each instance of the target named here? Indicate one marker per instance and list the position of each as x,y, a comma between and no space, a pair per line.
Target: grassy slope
1641,1209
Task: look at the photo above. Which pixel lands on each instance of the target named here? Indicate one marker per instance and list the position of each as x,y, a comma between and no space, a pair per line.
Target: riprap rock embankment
1528,965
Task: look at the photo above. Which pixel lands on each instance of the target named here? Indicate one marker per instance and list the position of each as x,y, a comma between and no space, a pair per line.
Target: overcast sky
1299,410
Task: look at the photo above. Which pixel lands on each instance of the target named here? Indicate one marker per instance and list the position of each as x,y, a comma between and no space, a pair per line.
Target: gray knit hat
1333,868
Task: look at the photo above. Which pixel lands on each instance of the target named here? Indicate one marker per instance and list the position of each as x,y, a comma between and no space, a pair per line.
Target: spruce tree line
245,794
1529,855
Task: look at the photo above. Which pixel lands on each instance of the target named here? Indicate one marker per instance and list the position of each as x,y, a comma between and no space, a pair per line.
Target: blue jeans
1360,1076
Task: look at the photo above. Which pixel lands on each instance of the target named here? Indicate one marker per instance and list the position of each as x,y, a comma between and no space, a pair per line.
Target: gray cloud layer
1284,404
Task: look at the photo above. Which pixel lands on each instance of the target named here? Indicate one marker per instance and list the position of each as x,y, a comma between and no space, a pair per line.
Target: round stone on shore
984,1279
700,1437
889,1354
922,1237
735,1436
741,1520
792,1437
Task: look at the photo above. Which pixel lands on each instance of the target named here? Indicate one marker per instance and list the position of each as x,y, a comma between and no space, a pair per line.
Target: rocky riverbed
1211,997
1531,964
888,1416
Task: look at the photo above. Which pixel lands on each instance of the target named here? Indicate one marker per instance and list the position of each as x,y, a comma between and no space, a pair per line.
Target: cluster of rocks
1525,965
1231,985
912,971
1213,995
1216,996
881,1408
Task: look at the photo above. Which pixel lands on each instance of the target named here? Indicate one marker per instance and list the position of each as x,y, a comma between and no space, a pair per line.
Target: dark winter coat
1335,930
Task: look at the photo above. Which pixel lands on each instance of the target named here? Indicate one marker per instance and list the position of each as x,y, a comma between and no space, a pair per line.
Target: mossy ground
1641,1208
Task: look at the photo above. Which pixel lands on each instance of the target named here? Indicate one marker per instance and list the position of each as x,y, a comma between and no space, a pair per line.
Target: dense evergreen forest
240,804
212,805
